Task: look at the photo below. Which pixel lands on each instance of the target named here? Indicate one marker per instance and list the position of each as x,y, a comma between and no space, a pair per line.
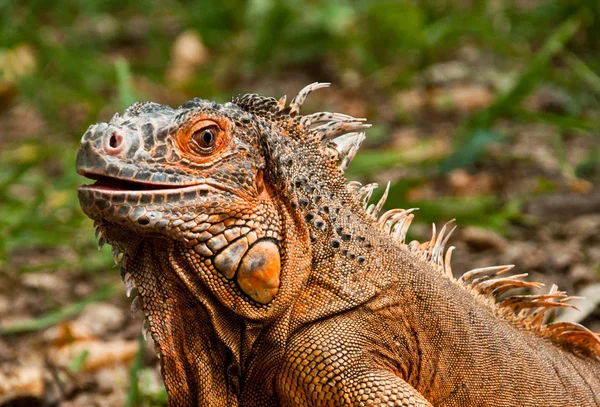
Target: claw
129,284
101,242
115,255
136,305
145,329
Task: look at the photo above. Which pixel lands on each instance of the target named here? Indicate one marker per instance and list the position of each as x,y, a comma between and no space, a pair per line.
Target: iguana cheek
258,274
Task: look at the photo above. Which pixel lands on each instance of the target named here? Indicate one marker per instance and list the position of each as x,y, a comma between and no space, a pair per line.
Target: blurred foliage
52,318
74,62
66,59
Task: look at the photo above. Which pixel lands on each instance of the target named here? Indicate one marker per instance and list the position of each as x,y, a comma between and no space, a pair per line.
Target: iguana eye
206,138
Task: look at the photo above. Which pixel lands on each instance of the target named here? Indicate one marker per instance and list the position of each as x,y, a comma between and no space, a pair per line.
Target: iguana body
266,279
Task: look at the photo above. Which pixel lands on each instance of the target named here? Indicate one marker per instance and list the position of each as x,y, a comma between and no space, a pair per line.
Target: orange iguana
268,279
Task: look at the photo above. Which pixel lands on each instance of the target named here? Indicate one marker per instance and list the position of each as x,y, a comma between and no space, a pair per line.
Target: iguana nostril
115,142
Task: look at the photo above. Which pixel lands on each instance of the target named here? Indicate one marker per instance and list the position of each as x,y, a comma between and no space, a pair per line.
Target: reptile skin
268,279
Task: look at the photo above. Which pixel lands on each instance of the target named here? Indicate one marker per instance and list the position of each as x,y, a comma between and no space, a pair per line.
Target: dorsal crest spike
345,142
382,200
400,229
354,186
323,117
488,285
574,335
336,128
281,103
352,152
388,216
485,272
365,192
298,101
437,252
448,263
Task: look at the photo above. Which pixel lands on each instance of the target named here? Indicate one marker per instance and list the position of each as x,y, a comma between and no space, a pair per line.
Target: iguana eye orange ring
204,137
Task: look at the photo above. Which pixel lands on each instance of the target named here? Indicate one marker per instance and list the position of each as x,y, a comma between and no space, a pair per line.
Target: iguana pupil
206,137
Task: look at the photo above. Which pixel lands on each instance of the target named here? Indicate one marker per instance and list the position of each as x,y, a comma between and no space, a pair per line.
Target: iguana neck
351,264
193,332
346,268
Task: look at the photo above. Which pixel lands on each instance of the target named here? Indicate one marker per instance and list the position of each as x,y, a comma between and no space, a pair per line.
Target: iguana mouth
107,190
107,186
108,183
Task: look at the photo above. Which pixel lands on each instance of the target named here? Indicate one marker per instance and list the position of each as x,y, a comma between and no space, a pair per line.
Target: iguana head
221,184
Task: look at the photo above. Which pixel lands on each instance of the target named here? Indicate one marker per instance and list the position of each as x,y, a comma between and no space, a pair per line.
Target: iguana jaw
144,206
124,185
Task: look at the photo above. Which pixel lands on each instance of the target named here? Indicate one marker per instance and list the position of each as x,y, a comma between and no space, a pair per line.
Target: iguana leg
324,366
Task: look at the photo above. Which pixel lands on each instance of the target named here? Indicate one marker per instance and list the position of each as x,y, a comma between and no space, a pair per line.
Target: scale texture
266,278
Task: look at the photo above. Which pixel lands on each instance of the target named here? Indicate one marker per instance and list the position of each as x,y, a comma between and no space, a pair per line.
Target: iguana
268,279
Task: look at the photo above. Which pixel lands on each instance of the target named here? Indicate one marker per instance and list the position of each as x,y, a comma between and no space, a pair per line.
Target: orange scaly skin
267,279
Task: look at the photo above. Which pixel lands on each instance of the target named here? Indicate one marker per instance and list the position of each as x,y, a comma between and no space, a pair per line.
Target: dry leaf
22,381
99,354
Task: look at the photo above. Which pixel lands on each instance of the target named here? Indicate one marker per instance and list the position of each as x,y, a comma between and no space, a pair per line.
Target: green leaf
126,95
529,78
561,121
77,363
475,133
587,74
469,152
134,395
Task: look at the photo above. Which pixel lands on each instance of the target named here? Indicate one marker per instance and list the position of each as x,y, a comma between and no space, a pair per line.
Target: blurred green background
469,99
59,72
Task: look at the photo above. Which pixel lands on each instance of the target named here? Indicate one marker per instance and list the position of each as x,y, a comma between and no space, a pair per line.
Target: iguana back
266,278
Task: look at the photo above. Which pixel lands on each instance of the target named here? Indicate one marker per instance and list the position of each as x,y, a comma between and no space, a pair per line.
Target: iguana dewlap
268,279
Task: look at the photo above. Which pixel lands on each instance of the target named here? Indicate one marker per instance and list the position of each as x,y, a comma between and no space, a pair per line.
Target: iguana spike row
527,311
437,253
575,335
432,251
396,222
496,287
365,192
